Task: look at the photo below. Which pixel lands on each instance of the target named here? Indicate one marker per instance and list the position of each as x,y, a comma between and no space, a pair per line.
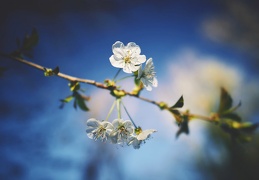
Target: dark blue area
77,36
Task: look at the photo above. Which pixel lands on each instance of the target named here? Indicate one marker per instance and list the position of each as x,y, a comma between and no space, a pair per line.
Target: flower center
100,131
127,58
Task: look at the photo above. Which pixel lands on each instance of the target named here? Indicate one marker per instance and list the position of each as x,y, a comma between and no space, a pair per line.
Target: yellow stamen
127,58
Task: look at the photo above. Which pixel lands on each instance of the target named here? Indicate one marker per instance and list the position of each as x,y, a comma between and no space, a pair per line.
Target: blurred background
197,47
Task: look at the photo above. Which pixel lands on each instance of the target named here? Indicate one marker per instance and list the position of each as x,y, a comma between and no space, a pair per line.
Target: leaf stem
118,72
110,111
118,100
128,115
124,78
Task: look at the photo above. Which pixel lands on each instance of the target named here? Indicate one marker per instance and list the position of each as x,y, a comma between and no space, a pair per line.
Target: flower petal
145,134
141,59
92,122
136,144
127,68
155,82
117,122
134,48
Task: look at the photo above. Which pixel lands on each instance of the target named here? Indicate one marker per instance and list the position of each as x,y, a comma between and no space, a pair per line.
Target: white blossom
122,131
99,130
127,57
147,76
137,140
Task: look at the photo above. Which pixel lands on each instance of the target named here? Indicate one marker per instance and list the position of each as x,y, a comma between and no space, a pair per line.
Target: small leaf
75,104
74,86
50,72
248,127
239,131
184,128
177,115
225,101
235,108
56,70
67,99
86,98
179,103
232,116
109,83
30,40
81,103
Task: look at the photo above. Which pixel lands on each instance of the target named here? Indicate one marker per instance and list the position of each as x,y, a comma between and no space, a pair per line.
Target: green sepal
118,93
138,130
50,72
138,86
162,105
109,83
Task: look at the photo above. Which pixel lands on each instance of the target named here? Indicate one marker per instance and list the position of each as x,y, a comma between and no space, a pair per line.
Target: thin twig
98,85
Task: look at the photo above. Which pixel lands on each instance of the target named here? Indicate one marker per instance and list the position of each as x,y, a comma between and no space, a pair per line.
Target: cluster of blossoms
118,132
125,132
129,58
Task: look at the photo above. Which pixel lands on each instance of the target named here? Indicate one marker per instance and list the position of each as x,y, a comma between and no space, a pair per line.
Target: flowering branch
129,59
81,80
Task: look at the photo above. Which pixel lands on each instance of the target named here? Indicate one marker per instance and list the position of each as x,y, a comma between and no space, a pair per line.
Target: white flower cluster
129,58
117,132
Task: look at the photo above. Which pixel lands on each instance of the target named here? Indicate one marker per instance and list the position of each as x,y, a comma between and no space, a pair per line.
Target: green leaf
239,131
233,108
178,104
30,40
74,86
225,101
184,128
177,115
248,127
75,104
81,103
56,70
232,116
67,99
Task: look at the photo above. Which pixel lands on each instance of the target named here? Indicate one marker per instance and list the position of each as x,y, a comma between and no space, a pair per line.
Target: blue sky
40,141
